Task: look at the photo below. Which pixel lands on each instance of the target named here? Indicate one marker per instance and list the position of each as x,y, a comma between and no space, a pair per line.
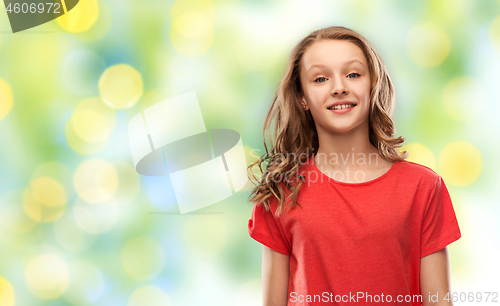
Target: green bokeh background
443,58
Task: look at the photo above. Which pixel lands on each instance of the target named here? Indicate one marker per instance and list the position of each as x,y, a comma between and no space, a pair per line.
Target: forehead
333,53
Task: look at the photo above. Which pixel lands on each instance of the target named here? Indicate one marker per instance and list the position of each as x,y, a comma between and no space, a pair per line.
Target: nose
339,88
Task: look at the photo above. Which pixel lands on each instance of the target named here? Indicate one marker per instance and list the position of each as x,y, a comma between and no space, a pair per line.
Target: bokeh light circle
47,276
58,171
420,154
494,33
12,215
81,18
192,31
427,44
142,258
191,34
121,86
150,296
464,98
96,181
7,295
460,163
129,183
6,99
87,284
102,25
48,191
96,218
70,235
90,126
45,200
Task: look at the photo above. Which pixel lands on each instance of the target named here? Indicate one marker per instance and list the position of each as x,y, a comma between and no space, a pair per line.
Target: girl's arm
275,273
435,278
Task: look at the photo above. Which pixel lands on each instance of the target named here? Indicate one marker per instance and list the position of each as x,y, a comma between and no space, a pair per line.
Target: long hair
294,130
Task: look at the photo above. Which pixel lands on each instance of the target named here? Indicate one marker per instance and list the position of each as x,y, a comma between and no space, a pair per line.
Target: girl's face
333,71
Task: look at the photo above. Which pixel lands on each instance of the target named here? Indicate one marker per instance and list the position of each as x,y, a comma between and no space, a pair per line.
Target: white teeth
341,106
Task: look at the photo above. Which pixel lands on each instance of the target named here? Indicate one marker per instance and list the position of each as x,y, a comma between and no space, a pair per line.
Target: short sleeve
439,224
266,228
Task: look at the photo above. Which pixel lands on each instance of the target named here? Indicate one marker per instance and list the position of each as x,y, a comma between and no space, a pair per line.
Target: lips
341,103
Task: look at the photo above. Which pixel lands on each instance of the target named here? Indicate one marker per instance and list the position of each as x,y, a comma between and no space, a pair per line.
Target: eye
354,74
319,78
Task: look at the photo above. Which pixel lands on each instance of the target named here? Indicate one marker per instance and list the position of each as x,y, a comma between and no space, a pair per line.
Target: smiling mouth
343,106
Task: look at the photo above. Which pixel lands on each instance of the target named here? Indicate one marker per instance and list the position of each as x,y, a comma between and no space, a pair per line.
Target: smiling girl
343,218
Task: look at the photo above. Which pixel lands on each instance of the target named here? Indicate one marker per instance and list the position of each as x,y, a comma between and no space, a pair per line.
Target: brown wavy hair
294,130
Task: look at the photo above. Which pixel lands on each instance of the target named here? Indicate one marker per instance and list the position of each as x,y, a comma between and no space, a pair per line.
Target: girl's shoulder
416,170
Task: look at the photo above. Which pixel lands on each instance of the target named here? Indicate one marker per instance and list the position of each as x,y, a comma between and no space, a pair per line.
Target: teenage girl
343,218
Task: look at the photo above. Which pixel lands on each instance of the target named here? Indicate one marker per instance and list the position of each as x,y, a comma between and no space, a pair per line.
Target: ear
302,101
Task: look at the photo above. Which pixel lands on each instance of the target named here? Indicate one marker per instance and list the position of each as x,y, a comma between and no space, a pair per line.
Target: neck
351,150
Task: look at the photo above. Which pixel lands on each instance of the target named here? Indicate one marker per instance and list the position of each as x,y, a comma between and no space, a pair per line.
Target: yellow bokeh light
6,99
142,258
58,171
129,184
87,284
494,33
149,295
192,25
71,236
81,18
460,163
47,276
463,98
427,44
96,218
192,32
450,12
45,200
102,25
121,86
189,46
7,295
91,126
205,236
185,6
38,211
420,154
12,215
96,181
48,191
79,145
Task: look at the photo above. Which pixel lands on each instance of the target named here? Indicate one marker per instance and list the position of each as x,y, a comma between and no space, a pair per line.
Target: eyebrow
346,63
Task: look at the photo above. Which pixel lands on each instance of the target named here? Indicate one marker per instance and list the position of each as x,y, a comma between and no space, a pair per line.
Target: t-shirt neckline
329,179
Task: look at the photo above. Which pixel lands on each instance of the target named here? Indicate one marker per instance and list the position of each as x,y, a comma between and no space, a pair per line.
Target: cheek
363,92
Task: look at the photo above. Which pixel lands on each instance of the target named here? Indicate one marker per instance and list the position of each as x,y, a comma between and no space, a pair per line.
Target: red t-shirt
350,241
